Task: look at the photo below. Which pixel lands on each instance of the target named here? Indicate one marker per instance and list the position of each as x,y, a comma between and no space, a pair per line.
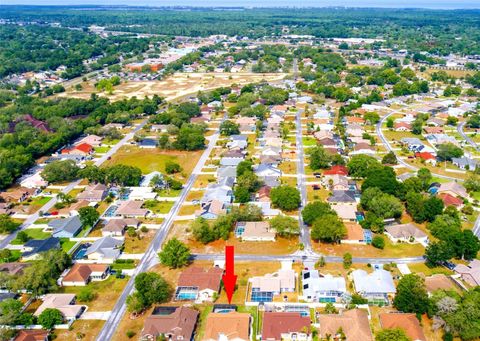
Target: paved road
304,230
400,161
460,130
150,257
299,257
45,208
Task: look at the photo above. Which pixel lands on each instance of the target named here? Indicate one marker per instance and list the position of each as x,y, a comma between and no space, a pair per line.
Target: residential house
435,122
266,207
5,208
238,141
279,282
271,161
438,139
450,200
271,151
439,282
92,140
336,170
434,130
105,249
246,124
81,274
117,227
327,142
454,189
32,335
13,268
363,148
226,172
377,287
34,181
32,248
65,227
342,197
286,326
265,171
465,163
345,211
199,284
83,149
73,209
406,322
220,192
131,209
263,194
323,289
211,210
94,193
253,231
173,323
356,234
412,143
470,273
65,303
142,193
427,157
354,130
231,326
336,182
159,128
402,126
231,161
406,233
354,324
18,195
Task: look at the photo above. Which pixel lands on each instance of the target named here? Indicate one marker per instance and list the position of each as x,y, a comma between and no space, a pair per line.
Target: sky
435,4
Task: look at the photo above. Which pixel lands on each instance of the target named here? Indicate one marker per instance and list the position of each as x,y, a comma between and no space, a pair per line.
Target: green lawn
102,149
15,255
33,234
40,201
309,141
159,207
66,244
169,193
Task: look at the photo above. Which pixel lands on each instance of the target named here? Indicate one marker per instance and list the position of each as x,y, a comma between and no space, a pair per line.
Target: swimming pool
110,212
80,252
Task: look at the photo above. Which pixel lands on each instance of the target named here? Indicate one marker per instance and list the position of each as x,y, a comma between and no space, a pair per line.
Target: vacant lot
178,85
281,246
106,291
149,160
88,329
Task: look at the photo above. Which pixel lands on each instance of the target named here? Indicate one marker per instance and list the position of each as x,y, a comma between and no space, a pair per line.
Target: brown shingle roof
176,326
32,335
201,278
438,282
275,324
407,322
354,324
232,325
81,272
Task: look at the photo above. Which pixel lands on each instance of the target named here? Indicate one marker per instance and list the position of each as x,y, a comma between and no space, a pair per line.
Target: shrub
378,242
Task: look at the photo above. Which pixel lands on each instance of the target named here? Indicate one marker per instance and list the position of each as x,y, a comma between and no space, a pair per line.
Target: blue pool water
187,296
110,212
80,253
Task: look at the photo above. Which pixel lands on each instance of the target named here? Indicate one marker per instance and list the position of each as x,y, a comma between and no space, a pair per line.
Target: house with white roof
406,233
34,181
377,287
323,289
281,281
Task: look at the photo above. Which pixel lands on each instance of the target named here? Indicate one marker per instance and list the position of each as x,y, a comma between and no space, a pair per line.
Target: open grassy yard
88,329
390,250
149,160
288,167
281,246
188,209
139,243
159,207
66,244
176,86
32,233
106,291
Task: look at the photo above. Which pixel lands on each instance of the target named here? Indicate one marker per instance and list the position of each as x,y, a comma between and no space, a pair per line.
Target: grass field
149,160
390,250
88,329
175,86
106,291
33,234
139,243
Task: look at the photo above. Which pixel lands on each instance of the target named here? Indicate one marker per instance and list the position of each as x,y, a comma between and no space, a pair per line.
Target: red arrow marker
229,278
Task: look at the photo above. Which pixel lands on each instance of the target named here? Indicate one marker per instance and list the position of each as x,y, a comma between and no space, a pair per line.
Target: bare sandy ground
175,86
